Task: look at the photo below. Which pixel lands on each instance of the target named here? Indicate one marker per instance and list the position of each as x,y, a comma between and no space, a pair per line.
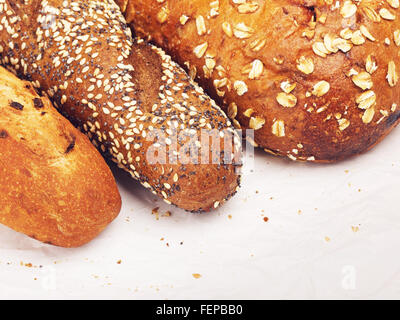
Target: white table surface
333,232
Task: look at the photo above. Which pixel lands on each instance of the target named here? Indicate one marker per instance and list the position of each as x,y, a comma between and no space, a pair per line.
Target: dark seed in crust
38,103
71,145
3,134
16,105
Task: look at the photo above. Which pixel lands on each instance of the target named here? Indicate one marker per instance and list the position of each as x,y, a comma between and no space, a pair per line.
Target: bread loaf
54,185
119,91
316,79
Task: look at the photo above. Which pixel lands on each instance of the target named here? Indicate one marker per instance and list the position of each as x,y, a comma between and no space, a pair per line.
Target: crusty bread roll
118,91
317,80
54,185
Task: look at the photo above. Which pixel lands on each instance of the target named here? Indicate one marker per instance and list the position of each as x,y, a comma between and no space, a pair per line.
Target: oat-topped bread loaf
119,91
317,80
54,184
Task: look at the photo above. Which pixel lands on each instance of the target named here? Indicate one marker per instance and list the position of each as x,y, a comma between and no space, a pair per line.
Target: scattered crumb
119,262
196,275
155,212
327,239
346,171
229,216
299,212
167,214
28,265
355,228
257,191
266,219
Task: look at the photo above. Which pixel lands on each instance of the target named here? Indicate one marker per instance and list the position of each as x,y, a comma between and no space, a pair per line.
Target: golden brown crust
317,79
118,90
55,186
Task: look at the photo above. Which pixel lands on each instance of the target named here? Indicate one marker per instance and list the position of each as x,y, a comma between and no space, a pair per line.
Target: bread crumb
28,265
327,239
155,212
196,275
229,216
119,262
355,228
167,214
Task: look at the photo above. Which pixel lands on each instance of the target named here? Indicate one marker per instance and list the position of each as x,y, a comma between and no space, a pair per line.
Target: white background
309,248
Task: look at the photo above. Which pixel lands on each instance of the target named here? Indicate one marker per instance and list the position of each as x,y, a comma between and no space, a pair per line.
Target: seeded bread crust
55,186
118,91
317,80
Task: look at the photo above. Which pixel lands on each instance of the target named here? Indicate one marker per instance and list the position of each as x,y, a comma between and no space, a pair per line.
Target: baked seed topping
16,105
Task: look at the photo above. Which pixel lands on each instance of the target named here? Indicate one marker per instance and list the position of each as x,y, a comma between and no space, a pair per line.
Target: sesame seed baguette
317,80
55,186
119,91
